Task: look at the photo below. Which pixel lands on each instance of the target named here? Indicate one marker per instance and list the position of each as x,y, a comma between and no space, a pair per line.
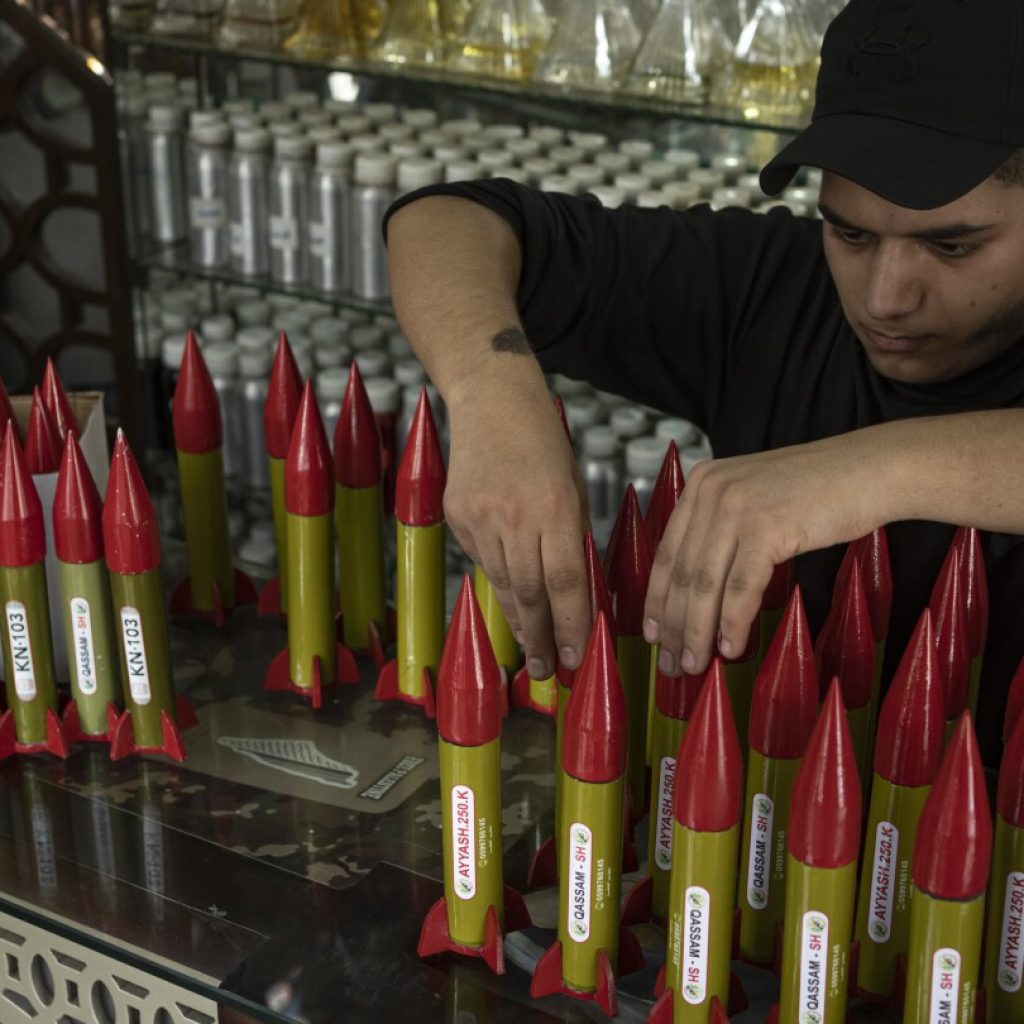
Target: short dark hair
1011,170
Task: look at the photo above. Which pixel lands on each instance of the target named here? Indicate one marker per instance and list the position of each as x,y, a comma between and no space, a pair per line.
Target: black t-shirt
731,319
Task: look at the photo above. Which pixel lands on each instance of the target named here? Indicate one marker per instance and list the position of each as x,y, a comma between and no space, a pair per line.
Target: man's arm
740,517
511,497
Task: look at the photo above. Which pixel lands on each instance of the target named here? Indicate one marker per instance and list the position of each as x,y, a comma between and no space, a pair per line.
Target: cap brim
910,165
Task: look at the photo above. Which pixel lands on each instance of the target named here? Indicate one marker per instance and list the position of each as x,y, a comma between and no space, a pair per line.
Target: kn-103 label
135,655
21,651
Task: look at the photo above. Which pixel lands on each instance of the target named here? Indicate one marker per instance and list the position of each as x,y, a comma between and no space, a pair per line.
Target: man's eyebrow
947,232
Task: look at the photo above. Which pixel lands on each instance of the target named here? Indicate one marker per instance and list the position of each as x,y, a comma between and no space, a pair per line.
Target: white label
284,233
236,238
663,836
887,845
697,925
135,655
945,987
207,213
21,651
762,815
581,860
1008,973
318,239
84,653
813,968
464,841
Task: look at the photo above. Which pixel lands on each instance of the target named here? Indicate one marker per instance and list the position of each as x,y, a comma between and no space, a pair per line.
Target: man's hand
513,503
739,518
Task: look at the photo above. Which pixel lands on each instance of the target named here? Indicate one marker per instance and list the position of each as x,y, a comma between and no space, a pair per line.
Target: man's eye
954,250
849,235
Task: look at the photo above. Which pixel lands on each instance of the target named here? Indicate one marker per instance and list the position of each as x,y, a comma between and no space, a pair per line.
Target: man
864,371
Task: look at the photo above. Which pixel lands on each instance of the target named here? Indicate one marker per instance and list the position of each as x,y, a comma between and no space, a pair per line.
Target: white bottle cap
517,174
644,456
315,119
419,118
806,194
475,144
256,338
567,156
325,133
586,176
302,346
608,196
381,113
222,359
523,149
494,159
385,395
417,172
252,140
255,362
315,308
367,143
353,317
331,383
538,167
172,348
174,320
408,372
449,152
386,322
284,129
638,150
613,163
589,142
404,149
327,355
366,337
340,108
546,134
197,118
600,442
375,170
652,198
254,311
582,411
681,194
461,127
302,100
160,79
291,321
461,170
328,330
355,124
751,181
293,147
274,110
731,165
242,105
659,171
502,133
336,155
278,301
812,176
219,327
558,183
566,386
628,421
683,432
434,137
684,160
395,132
632,183
726,196
372,362
707,179
163,117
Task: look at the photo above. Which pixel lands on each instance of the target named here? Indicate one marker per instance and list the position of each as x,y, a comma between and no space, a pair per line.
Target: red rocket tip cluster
357,457
419,487
594,745
780,587
846,644
309,475
6,412
972,572
77,509
668,489
951,639
42,442
785,700
284,389
597,587
628,565
22,532
676,698
824,819
468,677
57,404
131,536
196,408
872,555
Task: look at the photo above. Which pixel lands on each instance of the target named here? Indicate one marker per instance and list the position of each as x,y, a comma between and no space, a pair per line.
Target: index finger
565,578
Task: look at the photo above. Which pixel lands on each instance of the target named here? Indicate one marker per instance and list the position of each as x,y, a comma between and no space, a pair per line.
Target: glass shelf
541,94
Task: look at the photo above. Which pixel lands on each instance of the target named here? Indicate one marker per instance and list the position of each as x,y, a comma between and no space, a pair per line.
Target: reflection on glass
411,34
593,45
260,24
453,21
774,66
326,30
504,38
684,48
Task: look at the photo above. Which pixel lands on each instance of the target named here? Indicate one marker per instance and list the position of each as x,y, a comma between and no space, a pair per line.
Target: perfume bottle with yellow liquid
774,66
369,18
326,30
411,34
593,45
504,38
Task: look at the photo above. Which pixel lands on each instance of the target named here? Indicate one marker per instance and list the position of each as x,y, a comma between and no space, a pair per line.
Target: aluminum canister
166,159
372,194
207,158
329,214
601,467
254,366
289,210
222,362
330,390
644,456
248,202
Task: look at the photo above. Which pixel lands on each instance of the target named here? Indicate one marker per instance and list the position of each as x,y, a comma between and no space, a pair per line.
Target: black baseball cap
918,101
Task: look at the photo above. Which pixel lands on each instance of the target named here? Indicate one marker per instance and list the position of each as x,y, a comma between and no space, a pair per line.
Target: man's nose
895,287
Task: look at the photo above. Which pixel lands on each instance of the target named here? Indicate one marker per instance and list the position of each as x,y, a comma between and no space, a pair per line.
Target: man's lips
895,343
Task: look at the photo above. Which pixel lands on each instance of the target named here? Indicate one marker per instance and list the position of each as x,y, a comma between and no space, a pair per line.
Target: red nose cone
600,602
824,820
560,409
1010,800
668,489
785,700
779,588
22,535
949,613
594,744
77,509
196,410
308,475
357,460
468,678
872,555
709,774
1014,702
131,536
281,406
912,721
954,835
676,698
628,564
846,645
972,572
6,412
42,442
57,404
419,488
